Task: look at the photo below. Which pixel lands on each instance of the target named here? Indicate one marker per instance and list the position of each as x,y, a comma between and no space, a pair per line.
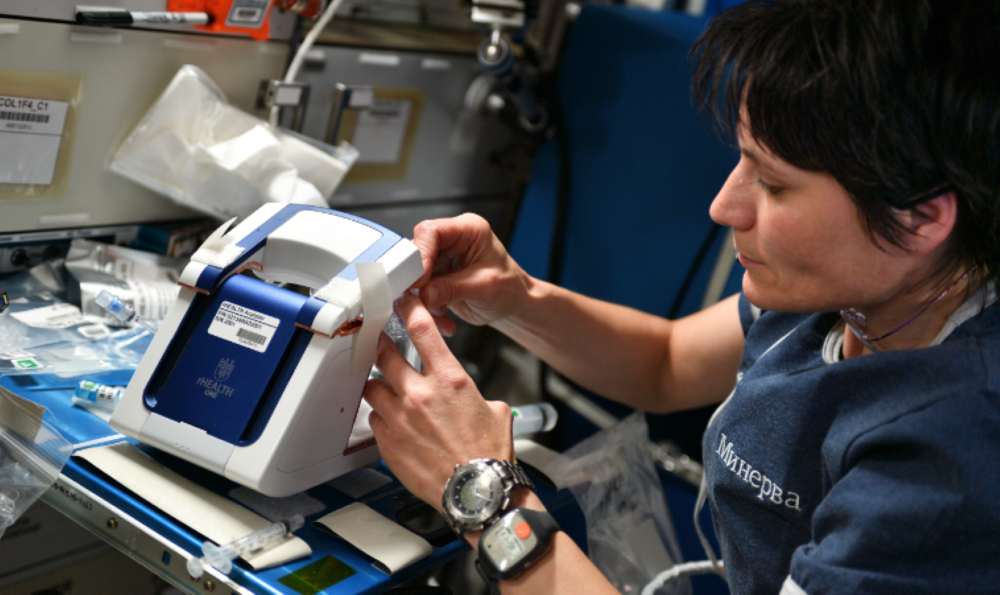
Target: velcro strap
343,293
219,250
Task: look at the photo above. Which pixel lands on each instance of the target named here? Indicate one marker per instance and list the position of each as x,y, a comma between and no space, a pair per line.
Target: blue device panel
229,360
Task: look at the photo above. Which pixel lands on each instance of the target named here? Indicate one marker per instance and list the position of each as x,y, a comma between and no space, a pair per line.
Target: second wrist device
514,544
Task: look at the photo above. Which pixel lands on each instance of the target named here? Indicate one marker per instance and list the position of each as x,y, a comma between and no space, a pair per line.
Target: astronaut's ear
930,222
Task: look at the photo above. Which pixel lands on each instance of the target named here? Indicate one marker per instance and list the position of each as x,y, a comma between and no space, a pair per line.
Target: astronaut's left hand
426,423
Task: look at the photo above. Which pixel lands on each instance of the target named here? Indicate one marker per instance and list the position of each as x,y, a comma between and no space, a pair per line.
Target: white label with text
56,316
243,326
30,133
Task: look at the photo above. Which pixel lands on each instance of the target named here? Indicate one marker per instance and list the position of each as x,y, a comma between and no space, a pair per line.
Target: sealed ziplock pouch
43,334
119,350
145,281
630,537
202,152
32,454
37,314
38,117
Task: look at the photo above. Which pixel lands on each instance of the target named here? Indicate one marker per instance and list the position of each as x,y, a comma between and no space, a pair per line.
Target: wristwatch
478,493
513,544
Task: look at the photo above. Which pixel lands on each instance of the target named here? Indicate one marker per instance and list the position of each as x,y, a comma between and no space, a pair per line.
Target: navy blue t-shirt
877,474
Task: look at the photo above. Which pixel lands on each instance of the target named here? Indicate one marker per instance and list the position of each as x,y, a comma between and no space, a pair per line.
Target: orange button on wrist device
523,530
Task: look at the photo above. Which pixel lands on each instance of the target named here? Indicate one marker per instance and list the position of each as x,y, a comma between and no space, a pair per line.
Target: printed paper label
30,133
56,316
130,270
243,326
16,354
381,130
152,300
26,364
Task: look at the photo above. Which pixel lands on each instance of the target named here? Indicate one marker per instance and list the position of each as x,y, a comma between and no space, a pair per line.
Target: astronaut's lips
746,260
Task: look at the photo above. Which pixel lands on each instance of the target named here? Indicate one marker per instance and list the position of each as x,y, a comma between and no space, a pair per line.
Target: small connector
120,310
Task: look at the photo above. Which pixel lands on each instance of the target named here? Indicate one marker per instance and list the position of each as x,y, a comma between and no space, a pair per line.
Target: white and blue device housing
256,382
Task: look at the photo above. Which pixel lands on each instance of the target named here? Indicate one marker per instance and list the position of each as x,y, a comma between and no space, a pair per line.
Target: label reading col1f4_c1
243,326
30,133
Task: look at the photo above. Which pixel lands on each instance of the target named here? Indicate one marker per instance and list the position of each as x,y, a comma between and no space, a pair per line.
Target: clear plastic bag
36,290
197,149
630,537
120,350
41,333
145,281
32,453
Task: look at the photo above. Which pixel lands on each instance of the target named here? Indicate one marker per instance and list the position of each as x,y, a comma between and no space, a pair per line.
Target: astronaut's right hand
467,269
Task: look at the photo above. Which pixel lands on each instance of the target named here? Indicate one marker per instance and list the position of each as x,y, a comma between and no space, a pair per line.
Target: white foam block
393,547
217,518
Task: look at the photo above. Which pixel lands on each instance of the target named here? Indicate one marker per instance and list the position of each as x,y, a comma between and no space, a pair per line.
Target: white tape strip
219,250
376,300
81,37
390,60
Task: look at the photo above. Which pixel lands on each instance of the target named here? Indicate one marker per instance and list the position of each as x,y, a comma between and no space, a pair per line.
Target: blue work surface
85,430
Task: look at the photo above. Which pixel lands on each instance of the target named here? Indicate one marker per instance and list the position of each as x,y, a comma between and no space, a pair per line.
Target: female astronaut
857,452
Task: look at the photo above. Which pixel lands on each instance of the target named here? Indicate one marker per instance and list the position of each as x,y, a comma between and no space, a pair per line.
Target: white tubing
304,47
679,571
702,495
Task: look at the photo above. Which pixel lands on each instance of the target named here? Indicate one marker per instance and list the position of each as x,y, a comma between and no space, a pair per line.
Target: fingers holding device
467,269
427,422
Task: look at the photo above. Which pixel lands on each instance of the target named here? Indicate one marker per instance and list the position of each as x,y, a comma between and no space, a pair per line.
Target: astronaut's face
801,238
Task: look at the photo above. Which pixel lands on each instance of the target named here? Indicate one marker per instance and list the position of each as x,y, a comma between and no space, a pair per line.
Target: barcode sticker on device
30,133
243,326
24,117
32,116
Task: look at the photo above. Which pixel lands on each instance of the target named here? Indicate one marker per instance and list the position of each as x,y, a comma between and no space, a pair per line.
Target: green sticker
26,364
317,576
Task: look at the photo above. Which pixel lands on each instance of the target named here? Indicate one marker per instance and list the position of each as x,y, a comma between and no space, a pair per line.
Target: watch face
477,493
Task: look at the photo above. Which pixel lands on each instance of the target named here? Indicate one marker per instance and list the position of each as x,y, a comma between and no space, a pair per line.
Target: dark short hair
891,97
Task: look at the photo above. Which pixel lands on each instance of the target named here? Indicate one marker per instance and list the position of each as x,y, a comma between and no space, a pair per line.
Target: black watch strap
490,582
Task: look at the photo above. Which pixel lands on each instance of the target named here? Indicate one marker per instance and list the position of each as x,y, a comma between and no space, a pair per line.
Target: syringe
120,309
528,419
221,556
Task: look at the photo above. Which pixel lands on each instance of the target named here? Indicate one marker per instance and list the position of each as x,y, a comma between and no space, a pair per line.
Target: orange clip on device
246,17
